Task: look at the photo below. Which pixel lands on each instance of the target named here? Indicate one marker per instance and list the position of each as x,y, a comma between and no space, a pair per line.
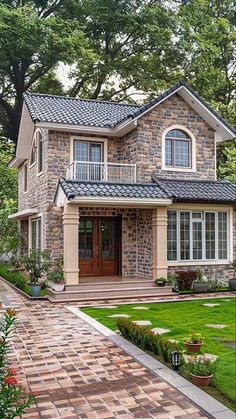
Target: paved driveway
78,373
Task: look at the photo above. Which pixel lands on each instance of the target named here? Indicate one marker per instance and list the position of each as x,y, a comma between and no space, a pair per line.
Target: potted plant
232,281
57,280
200,284
36,263
201,369
173,281
194,342
161,282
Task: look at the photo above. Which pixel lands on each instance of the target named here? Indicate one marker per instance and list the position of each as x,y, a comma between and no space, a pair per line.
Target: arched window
178,149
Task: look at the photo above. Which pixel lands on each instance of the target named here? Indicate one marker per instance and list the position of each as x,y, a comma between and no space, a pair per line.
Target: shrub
14,400
186,279
146,339
36,263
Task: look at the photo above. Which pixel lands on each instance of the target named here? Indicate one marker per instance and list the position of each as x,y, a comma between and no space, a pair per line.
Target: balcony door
88,156
99,240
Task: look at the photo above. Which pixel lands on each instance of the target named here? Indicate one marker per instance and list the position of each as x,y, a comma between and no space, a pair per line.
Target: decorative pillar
71,247
159,229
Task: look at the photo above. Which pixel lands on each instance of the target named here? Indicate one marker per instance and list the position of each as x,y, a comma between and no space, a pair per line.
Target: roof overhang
222,130
25,135
60,200
21,215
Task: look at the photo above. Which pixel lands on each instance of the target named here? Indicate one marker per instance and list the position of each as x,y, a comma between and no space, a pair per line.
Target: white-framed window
178,149
36,233
197,235
25,177
40,151
32,160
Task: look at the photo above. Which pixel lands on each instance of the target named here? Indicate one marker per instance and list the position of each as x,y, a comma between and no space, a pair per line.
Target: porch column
159,229
71,249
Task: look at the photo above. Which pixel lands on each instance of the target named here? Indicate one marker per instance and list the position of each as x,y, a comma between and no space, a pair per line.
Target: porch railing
101,171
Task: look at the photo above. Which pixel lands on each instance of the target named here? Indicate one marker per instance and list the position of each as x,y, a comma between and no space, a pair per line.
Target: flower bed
18,278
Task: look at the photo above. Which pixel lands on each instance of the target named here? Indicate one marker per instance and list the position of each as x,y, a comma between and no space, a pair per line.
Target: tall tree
133,44
33,40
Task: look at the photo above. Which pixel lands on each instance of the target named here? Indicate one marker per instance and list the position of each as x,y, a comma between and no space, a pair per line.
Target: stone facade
142,146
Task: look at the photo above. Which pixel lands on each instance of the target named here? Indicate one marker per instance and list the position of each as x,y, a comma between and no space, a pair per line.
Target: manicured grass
18,279
183,318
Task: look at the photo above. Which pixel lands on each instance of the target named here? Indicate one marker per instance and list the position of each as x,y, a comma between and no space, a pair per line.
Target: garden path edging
212,407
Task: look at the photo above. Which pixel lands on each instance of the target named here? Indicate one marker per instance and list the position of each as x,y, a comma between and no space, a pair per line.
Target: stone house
122,191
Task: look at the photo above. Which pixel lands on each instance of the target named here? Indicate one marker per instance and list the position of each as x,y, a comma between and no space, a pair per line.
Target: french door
99,246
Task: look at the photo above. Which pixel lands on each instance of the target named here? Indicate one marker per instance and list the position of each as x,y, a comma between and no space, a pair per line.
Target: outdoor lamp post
176,358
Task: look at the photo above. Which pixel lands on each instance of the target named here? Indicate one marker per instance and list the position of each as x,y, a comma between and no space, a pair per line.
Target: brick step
105,294
145,283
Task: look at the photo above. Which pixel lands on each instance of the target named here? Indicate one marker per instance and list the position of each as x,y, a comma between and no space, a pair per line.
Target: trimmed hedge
146,339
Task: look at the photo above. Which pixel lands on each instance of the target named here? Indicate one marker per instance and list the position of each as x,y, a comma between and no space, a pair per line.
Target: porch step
141,283
107,294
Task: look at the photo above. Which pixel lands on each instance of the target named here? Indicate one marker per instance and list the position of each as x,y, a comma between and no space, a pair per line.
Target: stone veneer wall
144,243
143,145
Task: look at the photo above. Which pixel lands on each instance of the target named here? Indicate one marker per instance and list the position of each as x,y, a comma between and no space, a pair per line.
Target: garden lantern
176,358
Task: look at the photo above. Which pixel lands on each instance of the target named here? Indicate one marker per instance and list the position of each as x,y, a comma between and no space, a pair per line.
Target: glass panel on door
86,240
108,239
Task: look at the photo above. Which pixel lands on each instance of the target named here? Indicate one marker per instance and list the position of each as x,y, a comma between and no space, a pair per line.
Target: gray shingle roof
73,188
97,113
217,192
65,110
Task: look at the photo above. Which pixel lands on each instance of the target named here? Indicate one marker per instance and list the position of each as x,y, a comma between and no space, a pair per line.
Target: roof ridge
25,94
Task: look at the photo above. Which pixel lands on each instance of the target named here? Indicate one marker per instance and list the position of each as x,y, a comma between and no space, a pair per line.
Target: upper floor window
177,149
33,153
40,151
25,177
88,151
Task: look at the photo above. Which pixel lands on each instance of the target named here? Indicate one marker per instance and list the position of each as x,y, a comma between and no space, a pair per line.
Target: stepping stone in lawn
226,300
211,305
217,326
142,322
120,316
140,308
160,331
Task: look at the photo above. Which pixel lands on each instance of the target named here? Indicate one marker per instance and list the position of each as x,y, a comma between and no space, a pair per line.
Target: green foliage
14,399
200,365
36,263
227,168
16,278
55,276
148,340
194,338
32,44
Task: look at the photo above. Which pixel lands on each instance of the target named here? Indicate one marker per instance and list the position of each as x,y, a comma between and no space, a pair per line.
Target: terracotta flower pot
201,381
193,347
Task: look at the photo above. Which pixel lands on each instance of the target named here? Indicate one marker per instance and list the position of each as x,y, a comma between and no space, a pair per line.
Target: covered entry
99,246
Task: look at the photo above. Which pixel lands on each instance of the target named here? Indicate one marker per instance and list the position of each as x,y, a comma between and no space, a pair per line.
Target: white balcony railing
100,171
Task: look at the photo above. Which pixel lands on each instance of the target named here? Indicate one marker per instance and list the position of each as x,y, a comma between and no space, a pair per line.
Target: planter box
232,284
58,287
200,287
200,380
193,347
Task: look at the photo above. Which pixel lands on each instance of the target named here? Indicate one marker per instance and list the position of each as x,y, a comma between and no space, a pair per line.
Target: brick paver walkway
78,373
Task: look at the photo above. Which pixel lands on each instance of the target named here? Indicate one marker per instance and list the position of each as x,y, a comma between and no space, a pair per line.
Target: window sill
199,262
179,169
32,165
40,174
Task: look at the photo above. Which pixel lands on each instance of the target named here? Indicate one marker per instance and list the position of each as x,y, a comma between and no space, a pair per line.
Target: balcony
101,172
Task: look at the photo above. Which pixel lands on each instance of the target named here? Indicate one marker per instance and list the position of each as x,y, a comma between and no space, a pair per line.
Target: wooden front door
99,246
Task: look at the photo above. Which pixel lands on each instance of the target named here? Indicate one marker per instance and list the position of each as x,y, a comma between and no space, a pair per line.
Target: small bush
146,339
186,278
16,278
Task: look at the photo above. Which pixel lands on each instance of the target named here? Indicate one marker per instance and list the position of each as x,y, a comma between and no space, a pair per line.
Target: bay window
197,235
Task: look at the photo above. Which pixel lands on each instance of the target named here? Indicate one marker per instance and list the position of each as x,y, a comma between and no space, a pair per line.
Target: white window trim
37,146
92,139
34,217
33,145
25,167
194,262
192,150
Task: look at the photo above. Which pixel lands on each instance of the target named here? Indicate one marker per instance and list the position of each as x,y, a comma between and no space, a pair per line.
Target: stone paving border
208,404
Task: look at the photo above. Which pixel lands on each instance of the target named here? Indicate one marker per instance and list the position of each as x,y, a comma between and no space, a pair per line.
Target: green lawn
183,318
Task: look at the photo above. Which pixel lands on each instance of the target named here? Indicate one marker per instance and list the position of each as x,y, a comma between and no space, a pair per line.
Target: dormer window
177,149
